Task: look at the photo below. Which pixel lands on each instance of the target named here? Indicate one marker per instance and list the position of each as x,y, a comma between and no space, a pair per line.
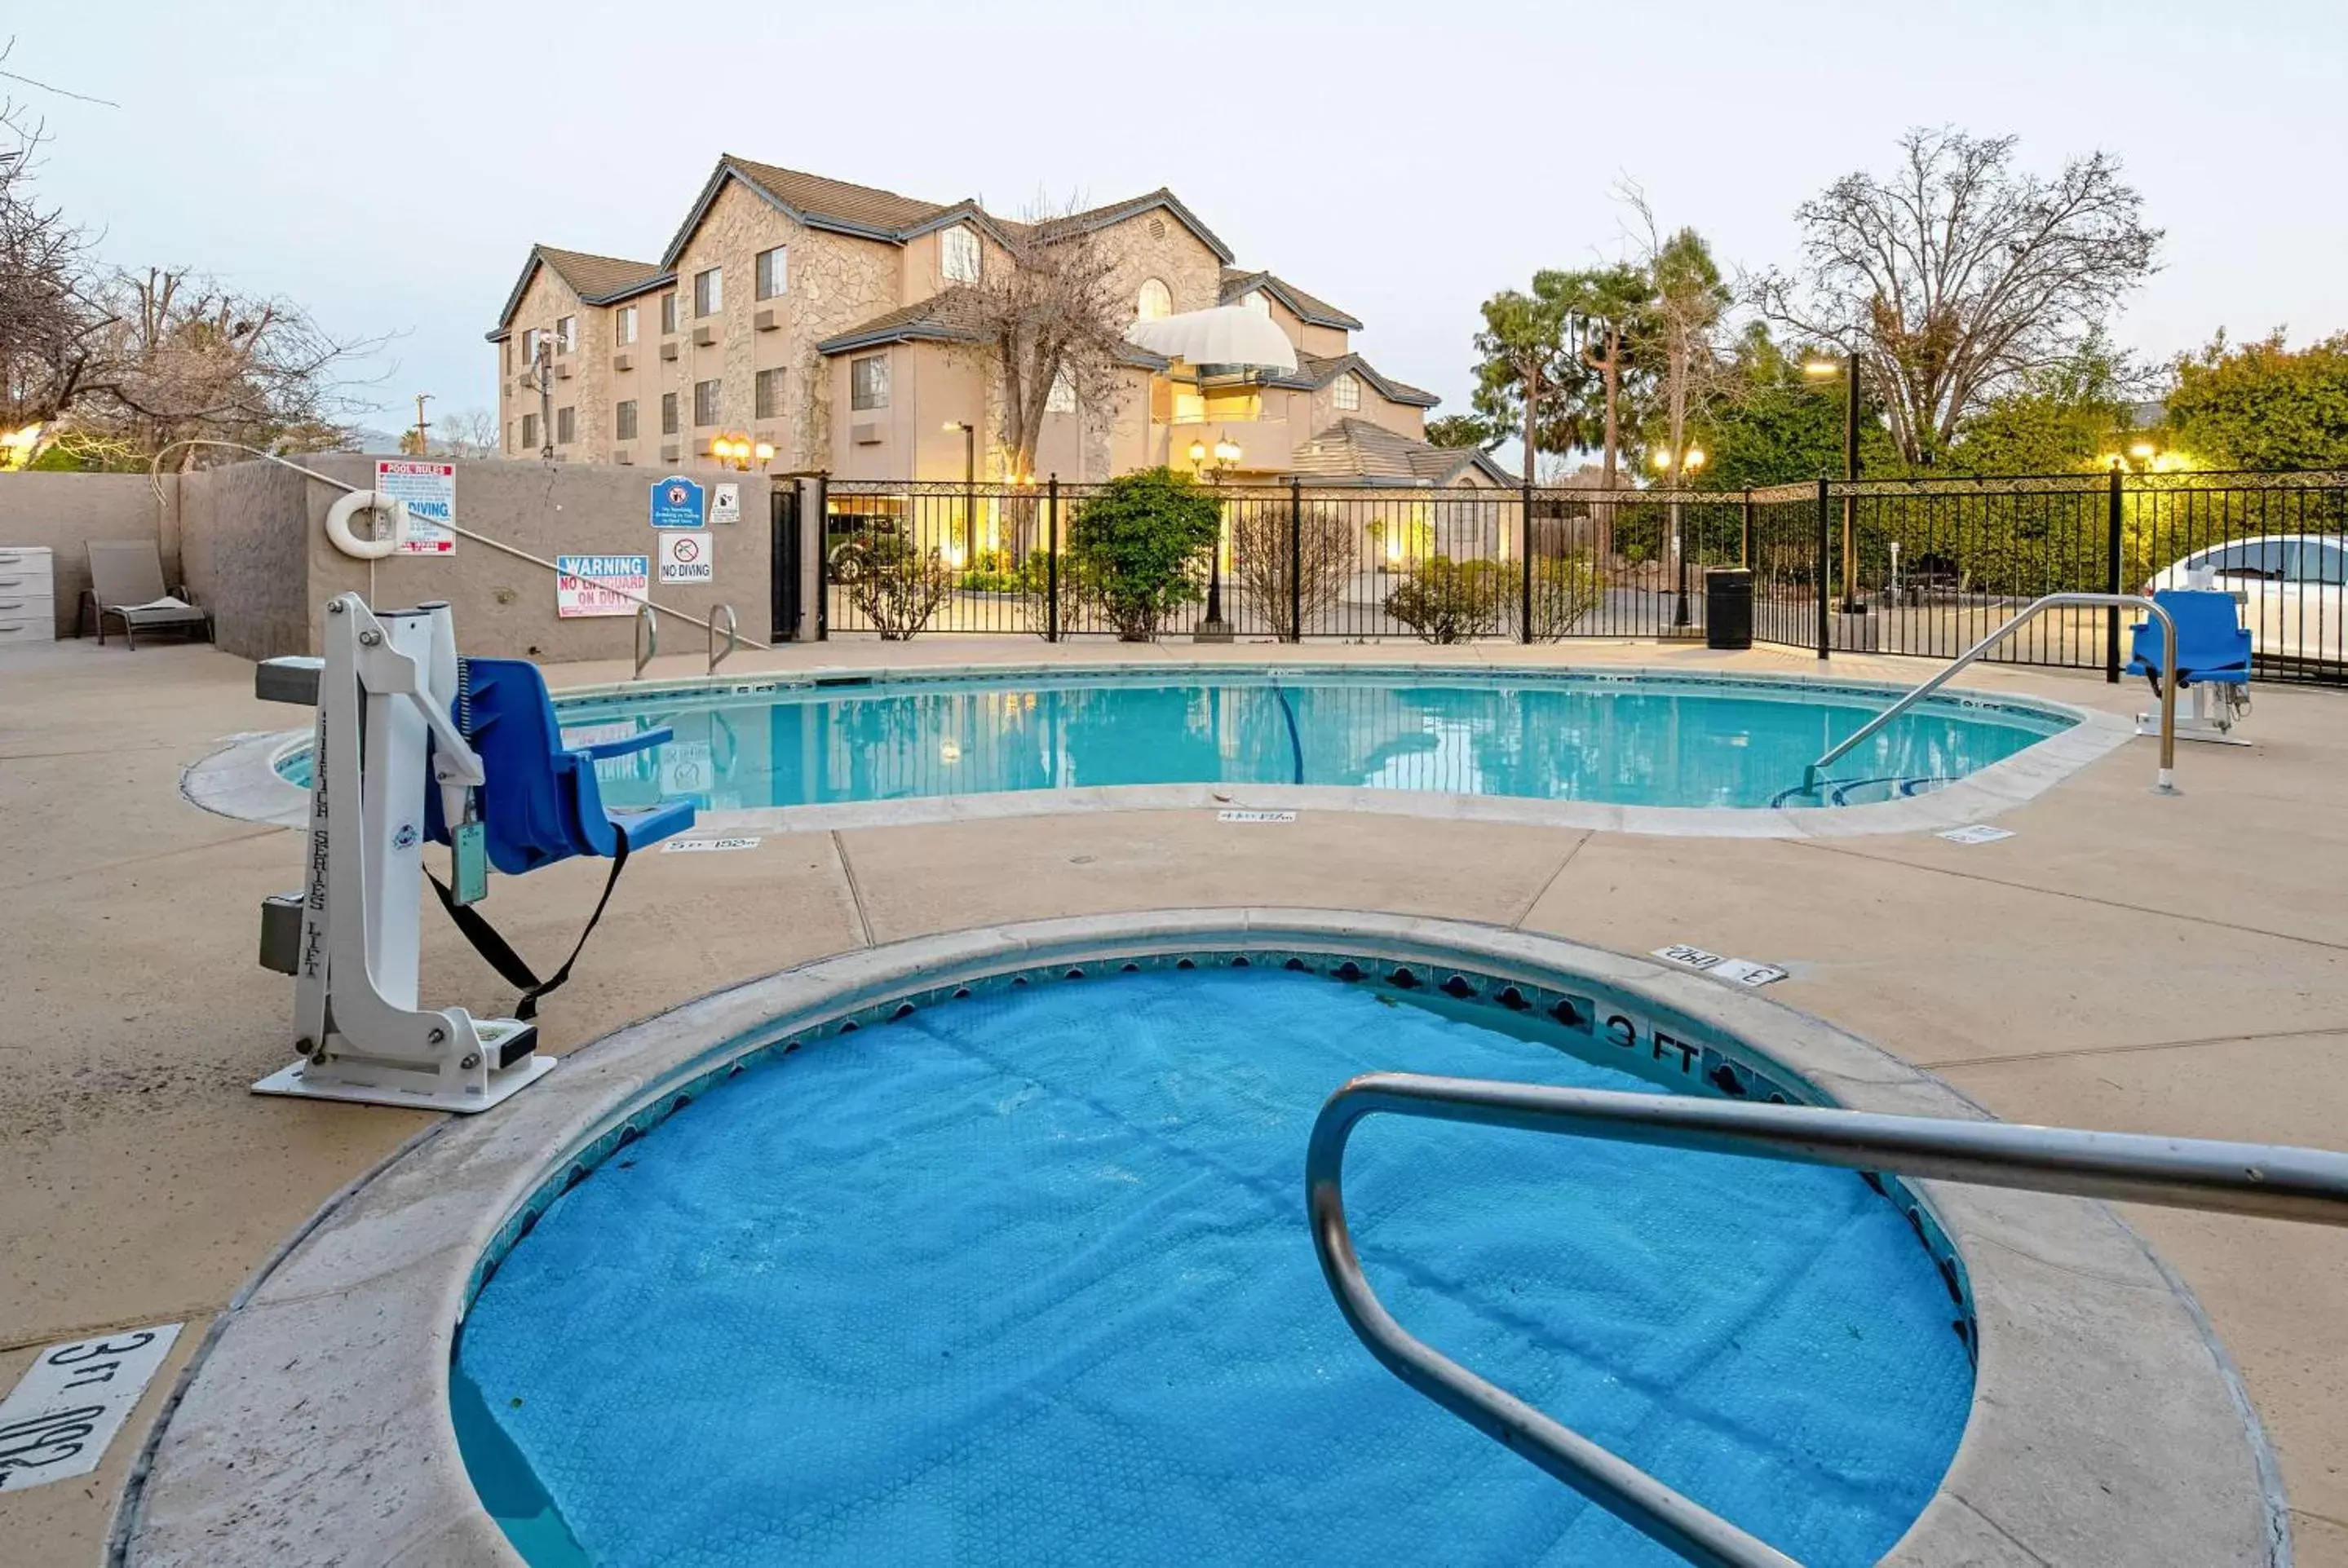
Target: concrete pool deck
2125,961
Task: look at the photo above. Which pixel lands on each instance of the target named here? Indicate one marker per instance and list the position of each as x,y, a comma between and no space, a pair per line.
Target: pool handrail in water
2166,782
2270,1181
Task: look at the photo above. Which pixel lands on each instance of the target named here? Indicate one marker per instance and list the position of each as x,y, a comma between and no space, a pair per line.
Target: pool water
1654,742
1027,1278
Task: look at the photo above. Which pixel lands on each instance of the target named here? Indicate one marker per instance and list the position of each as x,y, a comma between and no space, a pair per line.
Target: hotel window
1346,392
1257,300
668,311
529,341
623,420
1157,301
704,403
566,427
1062,398
508,346
528,432
958,254
624,326
867,381
767,395
774,272
566,334
668,413
708,292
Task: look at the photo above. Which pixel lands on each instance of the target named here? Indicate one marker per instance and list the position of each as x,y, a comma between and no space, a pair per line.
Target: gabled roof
946,316
1160,201
1319,313
869,213
596,279
1314,372
1358,452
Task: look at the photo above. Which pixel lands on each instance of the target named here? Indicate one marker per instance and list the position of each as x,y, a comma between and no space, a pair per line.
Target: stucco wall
504,606
240,537
63,512
254,541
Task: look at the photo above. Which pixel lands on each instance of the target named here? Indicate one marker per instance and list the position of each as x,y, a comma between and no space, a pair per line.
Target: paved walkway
2126,961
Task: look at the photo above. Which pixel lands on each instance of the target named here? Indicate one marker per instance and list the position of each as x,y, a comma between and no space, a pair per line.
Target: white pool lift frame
386,691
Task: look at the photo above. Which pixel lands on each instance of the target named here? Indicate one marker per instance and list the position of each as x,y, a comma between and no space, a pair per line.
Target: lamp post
1848,366
969,480
1226,455
1676,466
738,452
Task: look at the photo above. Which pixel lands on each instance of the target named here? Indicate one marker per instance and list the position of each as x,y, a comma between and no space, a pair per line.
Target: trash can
1729,608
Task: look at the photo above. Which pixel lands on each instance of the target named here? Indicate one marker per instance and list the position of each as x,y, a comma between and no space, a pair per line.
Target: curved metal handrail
2166,782
709,643
2274,1181
647,637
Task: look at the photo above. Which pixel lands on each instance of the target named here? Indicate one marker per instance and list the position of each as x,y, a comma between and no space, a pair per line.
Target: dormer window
958,254
1257,300
1156,301
1346,392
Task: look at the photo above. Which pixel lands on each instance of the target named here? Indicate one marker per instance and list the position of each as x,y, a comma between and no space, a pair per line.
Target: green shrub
1138,548
1446,600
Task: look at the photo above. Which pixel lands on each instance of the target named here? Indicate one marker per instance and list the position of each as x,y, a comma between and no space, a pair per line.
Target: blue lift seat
541,802
2211,644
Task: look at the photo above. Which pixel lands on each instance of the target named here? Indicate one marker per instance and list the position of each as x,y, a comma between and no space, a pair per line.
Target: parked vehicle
2293,588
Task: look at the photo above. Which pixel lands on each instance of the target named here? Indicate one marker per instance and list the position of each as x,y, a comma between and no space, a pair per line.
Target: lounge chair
2213,659
127,584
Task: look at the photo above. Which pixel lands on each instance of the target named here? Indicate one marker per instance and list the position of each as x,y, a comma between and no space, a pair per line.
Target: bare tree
1681,318
44,317
1960,273
1047,316
177,355
468,433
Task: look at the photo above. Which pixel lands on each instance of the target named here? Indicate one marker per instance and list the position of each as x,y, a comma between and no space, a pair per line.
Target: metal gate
787,553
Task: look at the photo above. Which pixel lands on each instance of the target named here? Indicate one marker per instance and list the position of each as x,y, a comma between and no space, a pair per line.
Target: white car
2293,590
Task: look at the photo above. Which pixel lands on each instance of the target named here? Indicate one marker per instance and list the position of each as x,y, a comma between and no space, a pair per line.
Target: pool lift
414,744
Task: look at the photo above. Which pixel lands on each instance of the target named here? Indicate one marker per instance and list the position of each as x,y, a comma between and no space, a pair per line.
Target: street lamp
1847,366
969,479
1226,455
1675,466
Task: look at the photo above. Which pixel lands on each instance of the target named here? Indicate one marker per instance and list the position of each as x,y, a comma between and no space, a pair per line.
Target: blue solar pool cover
1025,1278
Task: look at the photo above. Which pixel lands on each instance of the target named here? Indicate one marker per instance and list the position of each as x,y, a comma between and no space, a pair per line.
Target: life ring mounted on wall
348,539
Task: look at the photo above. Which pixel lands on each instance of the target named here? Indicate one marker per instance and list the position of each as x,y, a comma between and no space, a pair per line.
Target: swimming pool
1020,1273
1645,739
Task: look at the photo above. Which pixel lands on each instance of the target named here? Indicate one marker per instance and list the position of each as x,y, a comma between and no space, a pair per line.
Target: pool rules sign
688,556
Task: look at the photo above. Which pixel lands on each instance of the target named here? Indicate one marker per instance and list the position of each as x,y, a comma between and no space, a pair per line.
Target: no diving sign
687,558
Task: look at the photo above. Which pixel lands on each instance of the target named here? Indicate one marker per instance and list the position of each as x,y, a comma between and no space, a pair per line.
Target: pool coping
2107,1425
240,779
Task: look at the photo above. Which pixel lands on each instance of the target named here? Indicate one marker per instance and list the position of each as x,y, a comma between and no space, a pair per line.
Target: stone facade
836,281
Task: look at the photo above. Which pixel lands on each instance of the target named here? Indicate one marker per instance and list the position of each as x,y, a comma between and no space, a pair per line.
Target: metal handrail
647,637
709,643
2272,1181
2166,782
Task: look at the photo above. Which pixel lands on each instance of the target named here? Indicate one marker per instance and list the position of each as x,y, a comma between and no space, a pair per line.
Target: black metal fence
1889,566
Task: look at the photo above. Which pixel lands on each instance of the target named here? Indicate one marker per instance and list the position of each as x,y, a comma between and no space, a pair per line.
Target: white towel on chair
166,602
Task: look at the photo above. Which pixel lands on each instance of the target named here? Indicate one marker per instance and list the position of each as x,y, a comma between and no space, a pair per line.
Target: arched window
1156,301
1346,392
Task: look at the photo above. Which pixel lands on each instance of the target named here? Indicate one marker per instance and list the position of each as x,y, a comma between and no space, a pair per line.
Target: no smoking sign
687,558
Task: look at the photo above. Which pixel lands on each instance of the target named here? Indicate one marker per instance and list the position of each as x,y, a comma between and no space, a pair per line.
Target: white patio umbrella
1227,335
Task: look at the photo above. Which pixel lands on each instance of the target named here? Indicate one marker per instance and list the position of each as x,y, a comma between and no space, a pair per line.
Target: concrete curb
241,780
2105,1426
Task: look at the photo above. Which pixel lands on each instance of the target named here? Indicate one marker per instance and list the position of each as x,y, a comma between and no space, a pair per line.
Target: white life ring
340,515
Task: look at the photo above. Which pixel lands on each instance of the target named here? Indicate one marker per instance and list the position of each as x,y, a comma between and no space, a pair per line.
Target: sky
388,166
